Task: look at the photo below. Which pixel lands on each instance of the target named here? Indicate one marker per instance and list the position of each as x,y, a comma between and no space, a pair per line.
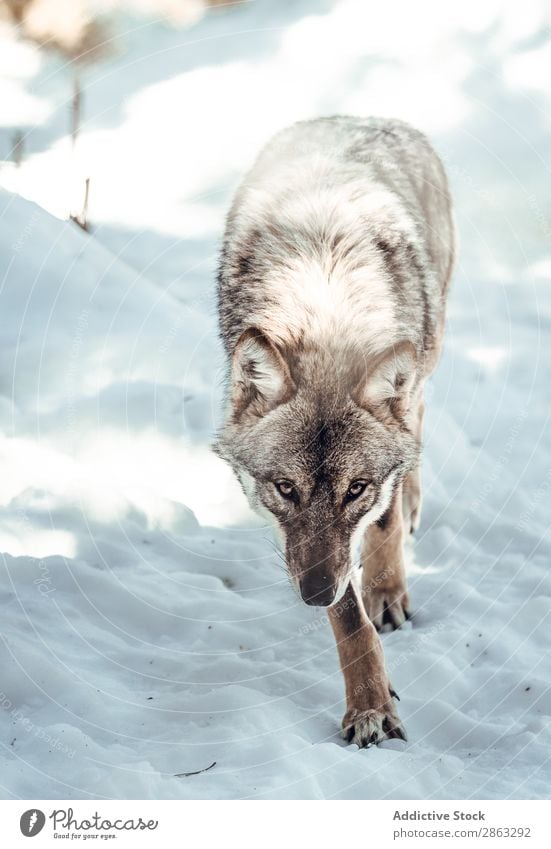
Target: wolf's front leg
412,497
370,713
384,583
412,501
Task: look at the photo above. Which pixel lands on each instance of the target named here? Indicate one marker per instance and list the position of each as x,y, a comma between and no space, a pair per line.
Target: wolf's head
319,444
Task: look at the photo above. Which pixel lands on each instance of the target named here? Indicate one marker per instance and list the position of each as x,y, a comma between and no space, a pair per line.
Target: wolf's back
342,227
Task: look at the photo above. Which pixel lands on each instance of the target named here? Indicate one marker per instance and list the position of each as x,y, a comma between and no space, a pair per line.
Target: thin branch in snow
82,218
197,772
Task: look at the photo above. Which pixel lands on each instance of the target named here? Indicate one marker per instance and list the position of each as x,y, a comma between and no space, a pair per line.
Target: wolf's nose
317,590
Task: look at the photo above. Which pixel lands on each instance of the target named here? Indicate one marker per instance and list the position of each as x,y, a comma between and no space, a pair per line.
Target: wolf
334,270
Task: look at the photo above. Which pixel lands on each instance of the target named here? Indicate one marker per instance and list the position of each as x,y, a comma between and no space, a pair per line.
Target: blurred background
133,567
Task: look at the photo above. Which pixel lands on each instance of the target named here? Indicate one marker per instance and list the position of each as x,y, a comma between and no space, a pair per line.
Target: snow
148,627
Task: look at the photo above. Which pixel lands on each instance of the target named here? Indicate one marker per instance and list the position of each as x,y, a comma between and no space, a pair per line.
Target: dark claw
349,734
394,694
393,732
387,618
398,734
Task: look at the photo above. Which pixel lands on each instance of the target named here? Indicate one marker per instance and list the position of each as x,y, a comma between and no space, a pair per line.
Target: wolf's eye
355,489
285,489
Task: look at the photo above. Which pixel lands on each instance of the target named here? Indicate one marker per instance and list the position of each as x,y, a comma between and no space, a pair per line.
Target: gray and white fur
336,261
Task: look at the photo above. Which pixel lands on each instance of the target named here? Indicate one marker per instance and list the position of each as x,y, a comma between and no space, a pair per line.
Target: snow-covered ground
148,628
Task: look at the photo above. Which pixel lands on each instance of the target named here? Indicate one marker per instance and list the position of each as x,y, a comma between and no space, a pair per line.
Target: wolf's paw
368,727
387,606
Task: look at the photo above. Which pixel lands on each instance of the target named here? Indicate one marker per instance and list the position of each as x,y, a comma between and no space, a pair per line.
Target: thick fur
337,257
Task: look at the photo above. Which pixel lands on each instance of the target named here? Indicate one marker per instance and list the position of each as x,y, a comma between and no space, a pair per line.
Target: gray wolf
335,266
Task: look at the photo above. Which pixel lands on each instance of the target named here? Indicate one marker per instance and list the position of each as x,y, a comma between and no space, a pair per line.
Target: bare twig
197,772
82,218
17,150
76,109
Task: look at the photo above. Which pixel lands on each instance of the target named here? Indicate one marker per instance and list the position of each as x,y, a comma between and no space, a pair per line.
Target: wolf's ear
390,380
260,377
